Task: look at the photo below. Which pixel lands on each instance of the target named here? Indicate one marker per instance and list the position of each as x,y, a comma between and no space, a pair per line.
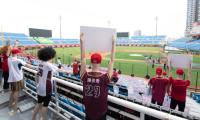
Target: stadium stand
23,39
65,41
142,40
186,44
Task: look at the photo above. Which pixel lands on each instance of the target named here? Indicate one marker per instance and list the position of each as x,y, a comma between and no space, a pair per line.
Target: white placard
180,60
98,39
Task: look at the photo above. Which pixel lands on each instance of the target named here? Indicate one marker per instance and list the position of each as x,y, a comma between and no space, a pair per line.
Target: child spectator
15,78
159,87
44,75
95,83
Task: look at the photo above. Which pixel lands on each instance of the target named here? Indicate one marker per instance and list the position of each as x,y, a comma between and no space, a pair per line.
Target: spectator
95,83
79,67
1,72
59,61
147,76
75,67
15,78
164,74
44,80
165,67
119,72
178,89
153,63
115,76
5,55
132,75
16,44
159,87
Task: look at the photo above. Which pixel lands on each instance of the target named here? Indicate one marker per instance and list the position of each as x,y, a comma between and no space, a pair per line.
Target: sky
124,15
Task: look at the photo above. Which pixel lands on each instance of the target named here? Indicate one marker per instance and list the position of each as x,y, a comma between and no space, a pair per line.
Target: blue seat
123,91
110,88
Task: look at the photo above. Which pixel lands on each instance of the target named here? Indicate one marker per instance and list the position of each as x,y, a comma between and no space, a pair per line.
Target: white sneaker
13,112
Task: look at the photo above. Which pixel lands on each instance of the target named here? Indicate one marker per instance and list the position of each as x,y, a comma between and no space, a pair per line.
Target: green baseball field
130,60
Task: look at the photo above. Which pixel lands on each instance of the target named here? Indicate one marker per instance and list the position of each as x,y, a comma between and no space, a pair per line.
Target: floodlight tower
60,26
156,19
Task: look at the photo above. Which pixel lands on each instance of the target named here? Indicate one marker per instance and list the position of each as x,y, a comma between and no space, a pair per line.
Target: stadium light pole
156,19
60,26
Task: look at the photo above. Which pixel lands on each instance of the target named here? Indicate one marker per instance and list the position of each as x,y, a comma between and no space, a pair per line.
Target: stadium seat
123,91
110,87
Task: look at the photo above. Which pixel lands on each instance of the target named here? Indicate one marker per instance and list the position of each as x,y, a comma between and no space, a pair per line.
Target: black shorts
154,102
44,99
174,103
103,117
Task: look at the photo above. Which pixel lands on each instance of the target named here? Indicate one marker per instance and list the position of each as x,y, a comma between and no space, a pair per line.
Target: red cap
96,58
158,70
179,71
164,73
15,51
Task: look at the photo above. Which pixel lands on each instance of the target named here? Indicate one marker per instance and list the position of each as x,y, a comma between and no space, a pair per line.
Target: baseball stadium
145,69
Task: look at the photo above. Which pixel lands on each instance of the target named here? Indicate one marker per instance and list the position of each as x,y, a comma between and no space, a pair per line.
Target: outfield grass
139,68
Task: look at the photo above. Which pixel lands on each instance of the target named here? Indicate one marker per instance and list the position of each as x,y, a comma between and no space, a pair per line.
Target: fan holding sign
95,90
178,86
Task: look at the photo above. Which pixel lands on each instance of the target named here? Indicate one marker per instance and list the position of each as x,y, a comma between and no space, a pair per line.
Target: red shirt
75,68
115,75
0,61
5,63
95,93
158,88
179,88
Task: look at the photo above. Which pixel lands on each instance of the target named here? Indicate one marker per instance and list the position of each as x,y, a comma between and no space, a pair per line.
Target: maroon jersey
95,94
179,89
159,88
5,63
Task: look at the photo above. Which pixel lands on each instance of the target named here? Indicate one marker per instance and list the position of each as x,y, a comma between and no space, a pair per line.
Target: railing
117,108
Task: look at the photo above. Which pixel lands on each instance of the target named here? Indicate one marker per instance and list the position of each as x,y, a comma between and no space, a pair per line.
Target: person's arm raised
83,59
112,56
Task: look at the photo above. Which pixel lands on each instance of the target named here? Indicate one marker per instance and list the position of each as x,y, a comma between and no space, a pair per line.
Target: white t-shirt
45,73
59,62
15,69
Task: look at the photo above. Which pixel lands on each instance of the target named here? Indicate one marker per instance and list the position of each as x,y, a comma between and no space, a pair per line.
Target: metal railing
117,108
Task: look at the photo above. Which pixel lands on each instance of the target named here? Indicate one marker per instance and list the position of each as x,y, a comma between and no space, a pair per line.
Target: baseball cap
179,71
164,73
96,58
15,51
158,70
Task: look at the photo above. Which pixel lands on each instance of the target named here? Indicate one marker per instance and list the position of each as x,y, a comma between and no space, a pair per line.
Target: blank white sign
98,39
180,60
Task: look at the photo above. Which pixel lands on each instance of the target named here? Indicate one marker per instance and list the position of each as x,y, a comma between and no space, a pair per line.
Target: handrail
133,106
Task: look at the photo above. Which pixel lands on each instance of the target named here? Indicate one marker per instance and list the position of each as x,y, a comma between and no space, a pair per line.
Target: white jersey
45,73
15,69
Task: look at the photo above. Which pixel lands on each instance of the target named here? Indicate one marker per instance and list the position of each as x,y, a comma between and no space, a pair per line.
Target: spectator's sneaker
13,112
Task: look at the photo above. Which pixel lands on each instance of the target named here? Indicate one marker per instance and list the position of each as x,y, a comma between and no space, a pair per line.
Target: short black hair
46,53
119,72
